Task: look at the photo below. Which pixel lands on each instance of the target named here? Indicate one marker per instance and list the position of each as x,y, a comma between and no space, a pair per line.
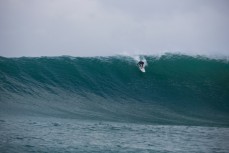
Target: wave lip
176,89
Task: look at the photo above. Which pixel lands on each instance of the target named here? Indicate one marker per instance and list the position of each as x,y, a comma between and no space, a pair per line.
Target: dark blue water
106,104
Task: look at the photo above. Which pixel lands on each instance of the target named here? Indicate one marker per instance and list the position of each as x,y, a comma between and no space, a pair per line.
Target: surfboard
142,69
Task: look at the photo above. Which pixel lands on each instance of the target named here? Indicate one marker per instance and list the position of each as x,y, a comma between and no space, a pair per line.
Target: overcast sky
108,27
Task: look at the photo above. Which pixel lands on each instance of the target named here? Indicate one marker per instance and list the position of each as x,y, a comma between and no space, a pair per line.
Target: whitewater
106,104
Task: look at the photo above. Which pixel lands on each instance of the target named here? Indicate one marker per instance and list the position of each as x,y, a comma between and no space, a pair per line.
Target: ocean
106,104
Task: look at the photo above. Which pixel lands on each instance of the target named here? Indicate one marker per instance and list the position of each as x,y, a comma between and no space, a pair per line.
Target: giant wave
175,90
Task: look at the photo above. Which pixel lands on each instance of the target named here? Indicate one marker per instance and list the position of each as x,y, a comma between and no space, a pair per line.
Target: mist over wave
176,89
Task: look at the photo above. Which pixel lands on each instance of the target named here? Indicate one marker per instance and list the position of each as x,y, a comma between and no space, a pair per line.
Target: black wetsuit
141,63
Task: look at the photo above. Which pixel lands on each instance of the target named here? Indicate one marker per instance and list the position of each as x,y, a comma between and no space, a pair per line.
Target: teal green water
106,104
176,89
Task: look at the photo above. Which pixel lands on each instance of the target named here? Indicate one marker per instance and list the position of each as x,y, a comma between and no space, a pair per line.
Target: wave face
175,90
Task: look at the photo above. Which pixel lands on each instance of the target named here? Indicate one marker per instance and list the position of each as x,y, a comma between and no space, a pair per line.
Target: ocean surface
106,104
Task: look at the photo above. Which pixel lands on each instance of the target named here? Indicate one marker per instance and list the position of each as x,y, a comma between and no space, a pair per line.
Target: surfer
141,63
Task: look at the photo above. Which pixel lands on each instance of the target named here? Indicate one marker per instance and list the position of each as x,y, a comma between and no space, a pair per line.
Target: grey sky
107,27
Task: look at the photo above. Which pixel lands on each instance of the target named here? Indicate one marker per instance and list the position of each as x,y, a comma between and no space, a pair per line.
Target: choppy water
105,104
69,135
